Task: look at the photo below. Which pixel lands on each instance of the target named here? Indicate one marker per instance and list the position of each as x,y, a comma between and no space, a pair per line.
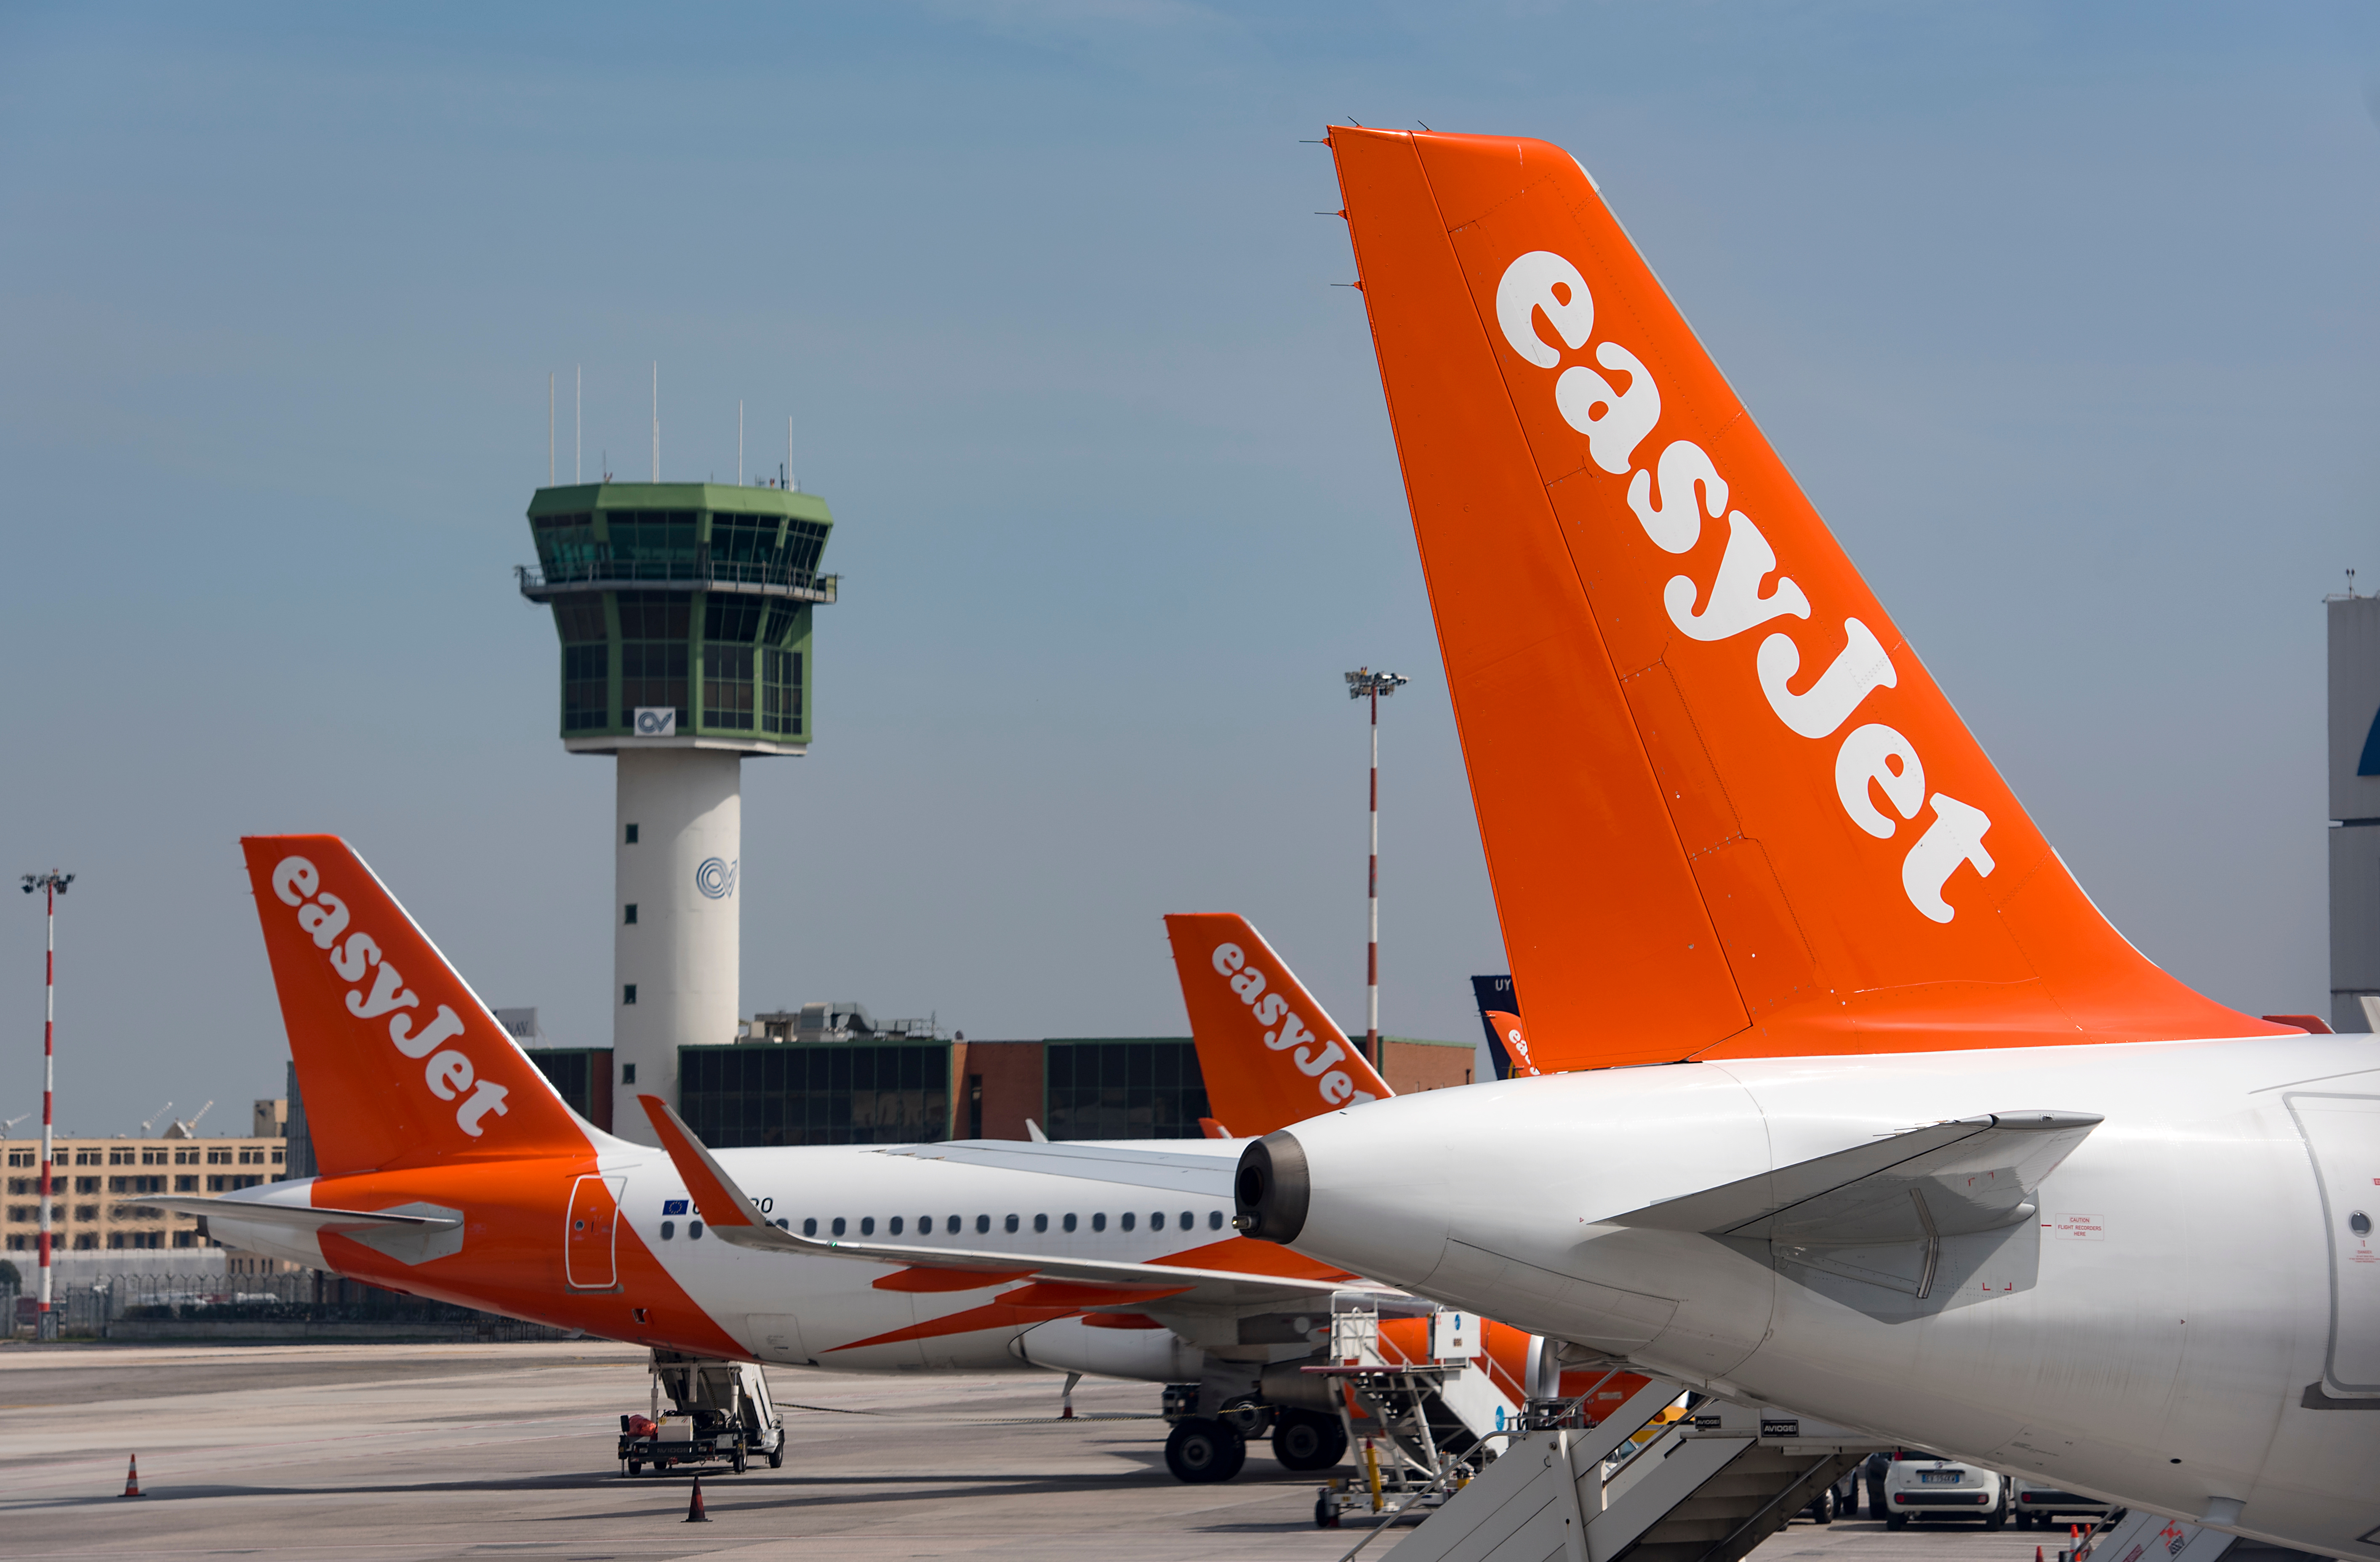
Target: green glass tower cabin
692,596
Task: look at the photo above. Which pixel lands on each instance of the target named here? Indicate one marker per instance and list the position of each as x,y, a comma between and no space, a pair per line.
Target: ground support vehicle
718,1413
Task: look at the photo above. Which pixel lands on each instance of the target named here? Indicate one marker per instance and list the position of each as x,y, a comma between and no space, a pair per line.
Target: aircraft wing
301,1217
1942,1179
732,1218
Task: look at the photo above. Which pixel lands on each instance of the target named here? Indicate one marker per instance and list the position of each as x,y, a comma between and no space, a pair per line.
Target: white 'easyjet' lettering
1336,1087
322,916
1664,498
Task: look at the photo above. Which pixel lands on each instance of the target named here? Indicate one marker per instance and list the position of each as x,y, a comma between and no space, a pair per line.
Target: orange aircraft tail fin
1726,810
1271,1054
399,1062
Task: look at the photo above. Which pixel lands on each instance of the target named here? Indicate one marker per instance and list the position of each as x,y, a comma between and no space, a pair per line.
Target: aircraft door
593,1235
2343,1134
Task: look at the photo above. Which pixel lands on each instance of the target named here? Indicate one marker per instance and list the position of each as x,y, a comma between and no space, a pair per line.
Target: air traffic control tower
684,612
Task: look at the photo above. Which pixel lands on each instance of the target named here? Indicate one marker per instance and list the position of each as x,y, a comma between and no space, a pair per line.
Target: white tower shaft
676,966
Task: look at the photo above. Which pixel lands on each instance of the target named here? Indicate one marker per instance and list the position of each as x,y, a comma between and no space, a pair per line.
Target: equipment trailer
719,1413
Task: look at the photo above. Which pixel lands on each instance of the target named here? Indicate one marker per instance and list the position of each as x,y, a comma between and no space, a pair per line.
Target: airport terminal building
831,1074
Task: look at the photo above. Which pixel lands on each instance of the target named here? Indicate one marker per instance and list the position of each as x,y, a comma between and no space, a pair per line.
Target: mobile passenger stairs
1421,1422
1636,1486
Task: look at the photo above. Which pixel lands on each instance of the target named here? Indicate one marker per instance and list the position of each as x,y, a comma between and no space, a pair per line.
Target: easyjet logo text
1671,494
379,989
1287,1032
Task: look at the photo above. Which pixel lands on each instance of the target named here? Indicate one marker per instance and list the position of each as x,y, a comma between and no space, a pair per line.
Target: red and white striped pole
52,885
1372,908
1364,684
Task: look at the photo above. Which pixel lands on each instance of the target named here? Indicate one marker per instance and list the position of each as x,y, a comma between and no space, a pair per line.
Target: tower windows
781,692
631,839
726,616
652,672
727,687
579,620
630,920
627,1074
586,686
628,992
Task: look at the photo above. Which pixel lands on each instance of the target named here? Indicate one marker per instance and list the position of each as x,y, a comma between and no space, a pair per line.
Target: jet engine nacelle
1150,1355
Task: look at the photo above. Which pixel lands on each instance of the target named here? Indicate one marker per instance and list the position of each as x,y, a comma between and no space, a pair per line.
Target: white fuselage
2157,1335
799,1308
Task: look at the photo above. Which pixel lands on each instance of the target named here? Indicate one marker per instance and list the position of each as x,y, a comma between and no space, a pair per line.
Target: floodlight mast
1364,684
52,885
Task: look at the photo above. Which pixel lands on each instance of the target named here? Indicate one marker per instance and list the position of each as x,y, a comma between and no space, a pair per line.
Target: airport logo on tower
657,720
715,878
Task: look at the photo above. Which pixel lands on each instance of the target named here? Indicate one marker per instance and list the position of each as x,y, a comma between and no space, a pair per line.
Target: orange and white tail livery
400,1063
1727,811
1271,1054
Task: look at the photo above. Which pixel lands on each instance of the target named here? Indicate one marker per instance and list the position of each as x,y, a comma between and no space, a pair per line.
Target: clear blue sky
2065,317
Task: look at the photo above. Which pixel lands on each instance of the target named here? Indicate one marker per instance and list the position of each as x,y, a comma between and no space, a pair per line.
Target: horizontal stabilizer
303,1218
1945,1179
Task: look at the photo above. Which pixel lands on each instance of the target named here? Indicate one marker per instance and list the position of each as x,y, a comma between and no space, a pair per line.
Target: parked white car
2040,1503
1918,1485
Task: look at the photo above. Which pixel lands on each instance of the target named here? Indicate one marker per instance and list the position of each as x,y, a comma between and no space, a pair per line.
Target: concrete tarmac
388,1453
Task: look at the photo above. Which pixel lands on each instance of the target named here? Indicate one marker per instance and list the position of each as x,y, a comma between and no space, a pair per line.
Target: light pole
1364,684
52,885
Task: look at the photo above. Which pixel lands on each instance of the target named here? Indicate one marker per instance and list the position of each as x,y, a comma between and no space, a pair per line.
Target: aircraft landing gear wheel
1201,1449
1303,1440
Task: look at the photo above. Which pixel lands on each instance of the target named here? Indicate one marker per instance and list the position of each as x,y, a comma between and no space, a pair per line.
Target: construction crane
189,1129
153,1117
12,1122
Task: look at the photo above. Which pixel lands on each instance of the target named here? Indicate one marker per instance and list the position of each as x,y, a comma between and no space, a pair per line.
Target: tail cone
132,1477
694,1513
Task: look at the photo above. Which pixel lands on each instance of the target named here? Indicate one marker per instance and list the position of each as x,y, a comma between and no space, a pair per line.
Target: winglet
724,1209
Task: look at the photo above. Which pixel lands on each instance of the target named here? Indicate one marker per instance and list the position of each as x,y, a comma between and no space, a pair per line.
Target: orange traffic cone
694,1513
2036,1553
132,1478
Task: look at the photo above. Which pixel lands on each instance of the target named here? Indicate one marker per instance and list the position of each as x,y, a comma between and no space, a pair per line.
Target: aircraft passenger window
1099,1222
809,1227
1186,1222
784,1225
693,1229
1040,1222
982,1224
1069,1223
1214,1220
838,1225
669,1229
954,1227
868,1224
1012,1223
1127,1220
894,1227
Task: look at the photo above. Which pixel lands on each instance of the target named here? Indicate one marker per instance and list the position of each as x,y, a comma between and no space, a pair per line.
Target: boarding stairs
1419,1420
2137,1535
1707,1487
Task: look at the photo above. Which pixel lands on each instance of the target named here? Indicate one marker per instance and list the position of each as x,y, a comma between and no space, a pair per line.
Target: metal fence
293,1305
